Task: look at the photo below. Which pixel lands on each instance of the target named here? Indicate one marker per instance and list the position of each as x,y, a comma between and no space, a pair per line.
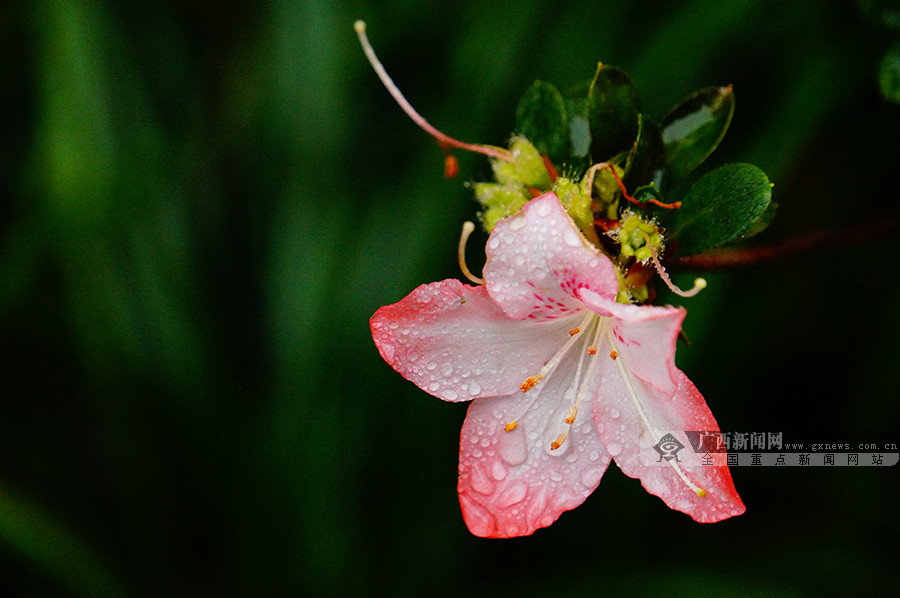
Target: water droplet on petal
474,388
614,413
498,471
480,482
536,508
591,477
572,238
512,447
478,519
450,395
513,494
614,449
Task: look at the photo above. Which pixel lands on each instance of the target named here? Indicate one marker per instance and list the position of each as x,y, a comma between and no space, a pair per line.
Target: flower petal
537,259
455,343
631,419
646,337
512,483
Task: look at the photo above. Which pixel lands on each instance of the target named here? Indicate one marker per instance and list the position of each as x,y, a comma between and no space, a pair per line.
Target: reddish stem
740,257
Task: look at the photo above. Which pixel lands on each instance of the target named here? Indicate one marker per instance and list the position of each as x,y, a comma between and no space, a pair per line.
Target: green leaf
723,206
693,129
613,109
889,74
649,191
541,118
576,98
646,160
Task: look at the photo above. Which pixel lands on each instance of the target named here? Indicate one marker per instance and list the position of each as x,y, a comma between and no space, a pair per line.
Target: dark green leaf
541,118
723,206
646,160
649,191
613,109
889,74
764,221
576,99
693,129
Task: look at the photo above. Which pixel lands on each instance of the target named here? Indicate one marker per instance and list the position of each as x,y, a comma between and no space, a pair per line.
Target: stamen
580,384
589,181
451,166
582,390
443,140
637,404
554,361
559,441
467,229
531,382
545,372
614,354
699,283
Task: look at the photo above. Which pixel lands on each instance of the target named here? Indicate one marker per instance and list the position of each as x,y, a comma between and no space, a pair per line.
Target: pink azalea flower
563,378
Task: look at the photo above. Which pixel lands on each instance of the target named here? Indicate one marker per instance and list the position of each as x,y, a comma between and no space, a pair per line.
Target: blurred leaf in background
202,204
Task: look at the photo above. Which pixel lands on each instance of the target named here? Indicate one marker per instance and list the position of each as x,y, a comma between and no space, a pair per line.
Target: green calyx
516,182
499,201
578,204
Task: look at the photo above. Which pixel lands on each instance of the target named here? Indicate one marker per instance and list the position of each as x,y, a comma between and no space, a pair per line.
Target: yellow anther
558,442
614,354
510,426
531,382
592,350
570,418
700,492
574,331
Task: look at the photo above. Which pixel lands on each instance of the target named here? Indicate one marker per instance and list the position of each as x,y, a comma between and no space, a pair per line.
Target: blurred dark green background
202,203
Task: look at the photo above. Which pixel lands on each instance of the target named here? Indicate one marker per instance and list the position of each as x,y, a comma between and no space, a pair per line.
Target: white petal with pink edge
452,341
511,482
646,337
632,417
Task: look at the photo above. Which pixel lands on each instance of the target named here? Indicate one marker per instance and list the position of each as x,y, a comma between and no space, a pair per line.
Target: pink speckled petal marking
511,483
646,337
537,260
453,342
630,443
